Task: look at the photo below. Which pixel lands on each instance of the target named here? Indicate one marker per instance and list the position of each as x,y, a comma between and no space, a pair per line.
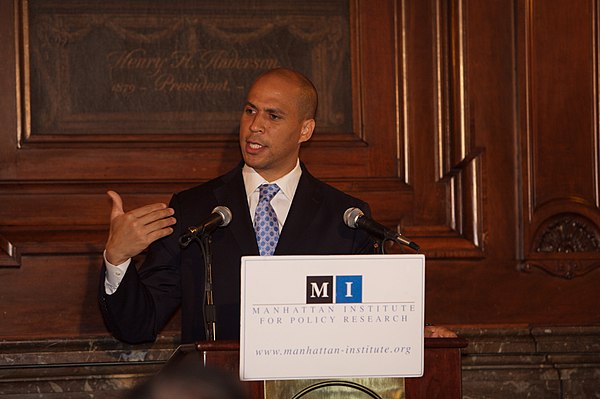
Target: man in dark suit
278,117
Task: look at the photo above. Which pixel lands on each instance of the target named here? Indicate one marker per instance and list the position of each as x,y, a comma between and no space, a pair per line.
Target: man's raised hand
130,233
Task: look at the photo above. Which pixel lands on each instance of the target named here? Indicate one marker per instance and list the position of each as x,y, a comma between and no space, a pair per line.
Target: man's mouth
253,145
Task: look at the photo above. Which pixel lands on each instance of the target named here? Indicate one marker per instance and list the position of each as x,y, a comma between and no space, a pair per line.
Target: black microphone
355,218
220,217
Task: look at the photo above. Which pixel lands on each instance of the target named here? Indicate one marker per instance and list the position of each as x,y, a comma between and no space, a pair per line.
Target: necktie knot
267,192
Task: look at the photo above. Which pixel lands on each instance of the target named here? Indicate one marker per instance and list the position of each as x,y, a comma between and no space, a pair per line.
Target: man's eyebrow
278,111
272,110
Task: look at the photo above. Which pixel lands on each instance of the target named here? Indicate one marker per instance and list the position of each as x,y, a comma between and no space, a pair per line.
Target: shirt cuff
114,275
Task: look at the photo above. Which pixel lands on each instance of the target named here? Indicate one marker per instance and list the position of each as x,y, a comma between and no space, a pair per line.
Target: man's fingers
160,224
147,231
117,207
146,227
155,215
157,234
439,332
117,204
147,209
133,231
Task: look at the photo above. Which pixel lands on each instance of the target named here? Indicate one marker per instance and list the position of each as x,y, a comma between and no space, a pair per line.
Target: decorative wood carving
567,233
565,246
567,268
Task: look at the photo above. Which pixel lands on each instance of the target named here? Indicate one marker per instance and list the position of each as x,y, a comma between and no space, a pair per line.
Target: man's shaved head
307,99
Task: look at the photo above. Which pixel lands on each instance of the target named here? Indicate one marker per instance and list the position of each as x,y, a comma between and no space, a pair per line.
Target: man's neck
271,177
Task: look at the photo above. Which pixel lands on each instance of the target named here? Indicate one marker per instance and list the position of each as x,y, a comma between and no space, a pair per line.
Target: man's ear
308,126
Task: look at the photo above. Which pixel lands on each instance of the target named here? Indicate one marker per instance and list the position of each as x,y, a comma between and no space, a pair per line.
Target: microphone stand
382,246
209,313
379,245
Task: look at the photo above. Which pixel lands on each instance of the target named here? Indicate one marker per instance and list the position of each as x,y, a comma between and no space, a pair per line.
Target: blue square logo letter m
348,289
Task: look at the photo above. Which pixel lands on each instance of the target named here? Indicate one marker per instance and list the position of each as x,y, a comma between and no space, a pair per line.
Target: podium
441,378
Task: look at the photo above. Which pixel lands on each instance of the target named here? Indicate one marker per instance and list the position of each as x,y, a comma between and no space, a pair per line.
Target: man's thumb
117,204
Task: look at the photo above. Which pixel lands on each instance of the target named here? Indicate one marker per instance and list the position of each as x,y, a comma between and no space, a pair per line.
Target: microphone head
351,217
225,214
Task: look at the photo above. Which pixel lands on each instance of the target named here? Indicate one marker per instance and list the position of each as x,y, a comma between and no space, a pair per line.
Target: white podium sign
338,316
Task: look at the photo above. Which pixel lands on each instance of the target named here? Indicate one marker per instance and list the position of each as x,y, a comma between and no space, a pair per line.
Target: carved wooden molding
9,254
567,233
563,268
456,228
566,246
459,162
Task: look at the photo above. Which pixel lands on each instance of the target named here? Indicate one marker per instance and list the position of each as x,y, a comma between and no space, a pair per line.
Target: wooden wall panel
494,289
51,295
53,185
475,133
60,298
443,165
559,145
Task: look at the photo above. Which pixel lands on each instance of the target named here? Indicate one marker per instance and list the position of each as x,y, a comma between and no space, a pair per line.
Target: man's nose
257,124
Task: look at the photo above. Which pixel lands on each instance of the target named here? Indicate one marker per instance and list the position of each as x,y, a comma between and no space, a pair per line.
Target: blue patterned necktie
265,220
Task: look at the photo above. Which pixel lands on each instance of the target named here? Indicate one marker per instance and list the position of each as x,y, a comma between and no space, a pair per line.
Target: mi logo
320,289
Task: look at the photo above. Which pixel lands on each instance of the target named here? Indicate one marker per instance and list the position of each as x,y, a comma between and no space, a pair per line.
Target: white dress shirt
281,203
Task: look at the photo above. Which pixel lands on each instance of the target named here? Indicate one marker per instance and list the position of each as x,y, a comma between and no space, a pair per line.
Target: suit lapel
305,206
233,195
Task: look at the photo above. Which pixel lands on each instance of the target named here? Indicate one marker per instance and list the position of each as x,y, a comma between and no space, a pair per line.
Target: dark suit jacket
171,276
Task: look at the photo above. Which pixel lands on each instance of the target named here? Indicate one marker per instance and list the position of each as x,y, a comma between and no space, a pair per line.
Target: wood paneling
444,165
475,132
560,136
9,254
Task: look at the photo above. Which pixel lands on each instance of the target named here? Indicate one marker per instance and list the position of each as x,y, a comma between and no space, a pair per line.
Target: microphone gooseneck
220,217
356,219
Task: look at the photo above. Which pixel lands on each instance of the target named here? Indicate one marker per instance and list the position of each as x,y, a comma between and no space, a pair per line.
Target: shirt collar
287,184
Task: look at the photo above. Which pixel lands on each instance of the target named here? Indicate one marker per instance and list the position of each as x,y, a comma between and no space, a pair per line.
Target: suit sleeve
146,298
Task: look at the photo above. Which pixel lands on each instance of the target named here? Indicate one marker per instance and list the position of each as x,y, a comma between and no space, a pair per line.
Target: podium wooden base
441,378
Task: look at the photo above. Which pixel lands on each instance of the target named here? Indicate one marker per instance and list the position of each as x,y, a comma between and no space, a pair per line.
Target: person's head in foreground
189,381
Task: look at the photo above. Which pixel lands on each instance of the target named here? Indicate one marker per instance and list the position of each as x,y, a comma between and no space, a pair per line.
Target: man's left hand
439,332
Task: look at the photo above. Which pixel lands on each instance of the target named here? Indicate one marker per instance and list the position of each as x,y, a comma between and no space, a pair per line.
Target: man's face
272,127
